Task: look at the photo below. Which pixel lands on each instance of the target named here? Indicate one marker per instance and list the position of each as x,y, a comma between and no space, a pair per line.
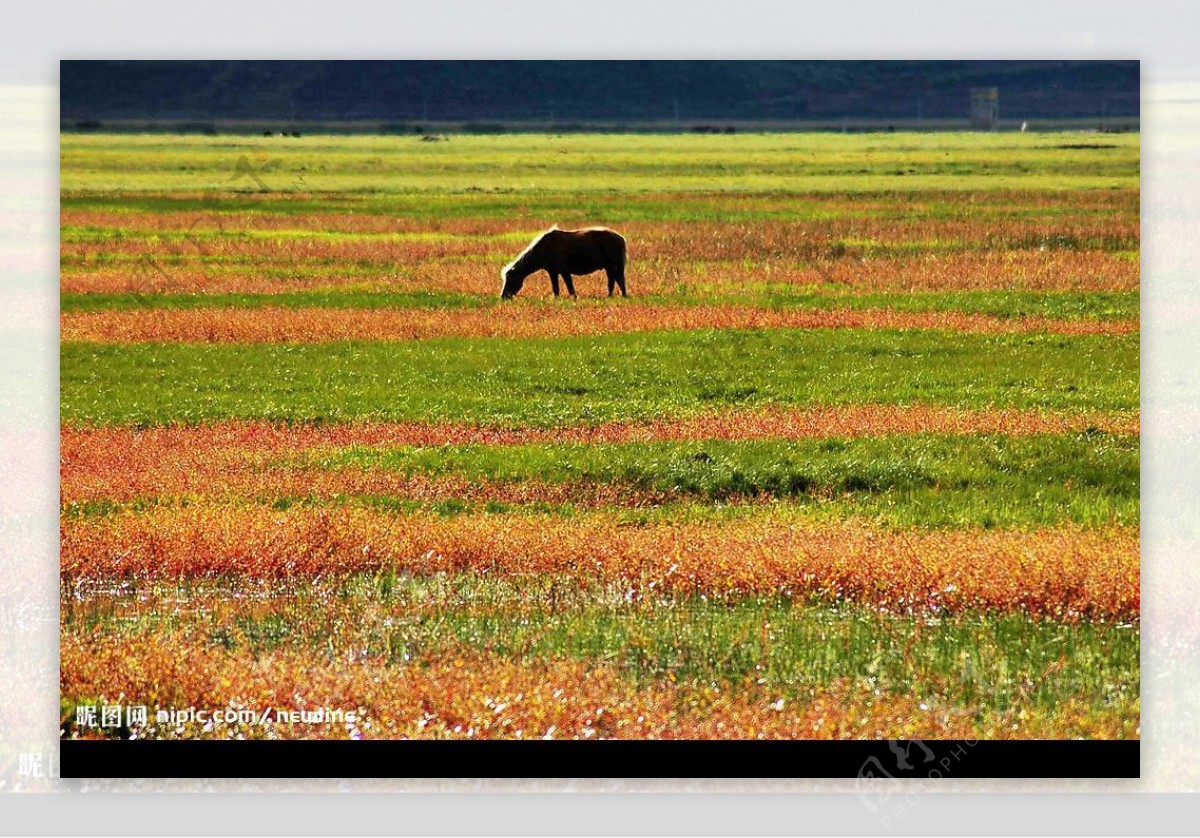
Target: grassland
554,381
501,661
573,164
857,458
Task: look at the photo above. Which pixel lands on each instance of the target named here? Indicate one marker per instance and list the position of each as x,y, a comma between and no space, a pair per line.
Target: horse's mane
524,253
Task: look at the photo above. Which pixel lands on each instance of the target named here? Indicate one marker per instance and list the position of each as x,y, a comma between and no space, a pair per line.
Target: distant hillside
590,90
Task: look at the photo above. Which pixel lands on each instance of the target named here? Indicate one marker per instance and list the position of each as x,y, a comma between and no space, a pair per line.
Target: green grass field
562,380
573,164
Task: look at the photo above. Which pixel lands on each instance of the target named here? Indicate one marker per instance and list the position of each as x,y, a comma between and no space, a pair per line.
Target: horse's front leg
570,285
554,283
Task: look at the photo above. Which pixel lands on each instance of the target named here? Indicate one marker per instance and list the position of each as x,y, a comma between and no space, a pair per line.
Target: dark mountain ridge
590,90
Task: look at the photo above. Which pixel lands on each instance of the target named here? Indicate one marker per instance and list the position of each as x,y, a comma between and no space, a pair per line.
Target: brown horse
568,253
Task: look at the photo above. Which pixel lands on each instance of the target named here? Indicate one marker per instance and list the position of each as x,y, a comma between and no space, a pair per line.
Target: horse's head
513,281
529,261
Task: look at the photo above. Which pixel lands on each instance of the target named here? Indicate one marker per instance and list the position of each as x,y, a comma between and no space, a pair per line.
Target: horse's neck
532,261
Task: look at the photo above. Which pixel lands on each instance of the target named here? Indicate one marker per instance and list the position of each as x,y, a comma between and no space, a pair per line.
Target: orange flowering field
268,325
854,461
1027,270
1062,572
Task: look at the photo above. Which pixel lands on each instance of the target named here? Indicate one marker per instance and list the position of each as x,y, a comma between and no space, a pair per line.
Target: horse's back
589,249
588,237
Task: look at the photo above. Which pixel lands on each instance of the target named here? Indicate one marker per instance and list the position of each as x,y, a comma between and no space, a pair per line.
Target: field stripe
266,437
247,481
1011,214
124,464
466,693
557,381
413,465
1020,270
319,325
1061,572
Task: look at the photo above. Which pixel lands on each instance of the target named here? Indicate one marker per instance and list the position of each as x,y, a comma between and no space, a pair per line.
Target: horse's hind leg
570,284
621,283
612,283
554,283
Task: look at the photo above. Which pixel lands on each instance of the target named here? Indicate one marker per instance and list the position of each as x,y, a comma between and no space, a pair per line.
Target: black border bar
867,759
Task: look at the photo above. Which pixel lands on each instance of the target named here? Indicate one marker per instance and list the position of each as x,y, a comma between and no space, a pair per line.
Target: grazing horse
568,253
